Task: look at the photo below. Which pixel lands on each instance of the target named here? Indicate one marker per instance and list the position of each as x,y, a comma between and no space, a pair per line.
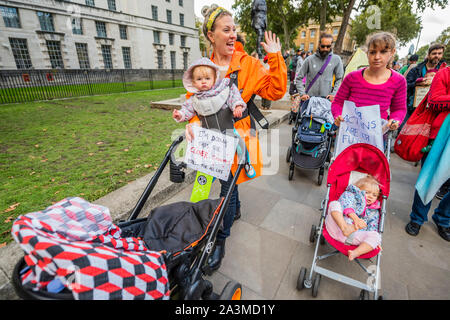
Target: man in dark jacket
417,74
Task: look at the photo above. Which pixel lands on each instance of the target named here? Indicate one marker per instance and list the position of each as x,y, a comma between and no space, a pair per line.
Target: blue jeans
233,205
441,216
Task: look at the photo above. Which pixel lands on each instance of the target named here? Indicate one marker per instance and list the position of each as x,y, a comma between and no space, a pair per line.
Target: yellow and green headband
213,17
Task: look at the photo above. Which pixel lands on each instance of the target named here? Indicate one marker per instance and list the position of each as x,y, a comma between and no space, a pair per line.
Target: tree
396,18
422,52
444,38
349,6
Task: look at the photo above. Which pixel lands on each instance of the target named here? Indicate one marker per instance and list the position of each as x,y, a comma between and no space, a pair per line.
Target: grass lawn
85,147
33,93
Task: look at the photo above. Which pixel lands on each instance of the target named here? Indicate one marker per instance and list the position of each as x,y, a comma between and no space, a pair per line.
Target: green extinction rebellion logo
201,180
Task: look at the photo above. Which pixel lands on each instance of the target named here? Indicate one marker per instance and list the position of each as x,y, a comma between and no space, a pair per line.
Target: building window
10,17
156,36
185,60
107,59
312,33
180,3
83,56
173,64
90,3
169,16
77,27
160,59
311,46
112,5
181,19
101,29
20,52
126,53
46,21
303,34
54,53
183,41
302,46
171,38
123,32
154,12
335,31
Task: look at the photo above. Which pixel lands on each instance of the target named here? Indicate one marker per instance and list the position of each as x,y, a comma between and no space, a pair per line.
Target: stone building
97,34
308,37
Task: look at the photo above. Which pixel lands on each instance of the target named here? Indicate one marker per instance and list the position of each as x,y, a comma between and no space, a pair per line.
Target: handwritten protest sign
360,125
211,152
419,94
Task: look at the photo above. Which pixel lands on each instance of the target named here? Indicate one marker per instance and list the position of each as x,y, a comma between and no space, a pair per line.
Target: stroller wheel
231,291
291,171
301,279
320,177
288,155
364,295
312,234
316,283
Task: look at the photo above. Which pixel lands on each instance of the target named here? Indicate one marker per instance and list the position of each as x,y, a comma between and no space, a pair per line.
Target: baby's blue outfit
354,199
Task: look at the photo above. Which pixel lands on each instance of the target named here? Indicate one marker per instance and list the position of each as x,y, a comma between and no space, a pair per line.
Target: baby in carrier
354,218
215,101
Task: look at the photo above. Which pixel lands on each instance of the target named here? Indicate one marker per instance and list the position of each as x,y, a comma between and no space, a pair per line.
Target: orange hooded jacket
254,78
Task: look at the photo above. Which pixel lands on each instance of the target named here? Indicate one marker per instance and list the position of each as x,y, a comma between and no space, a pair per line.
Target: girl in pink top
376,84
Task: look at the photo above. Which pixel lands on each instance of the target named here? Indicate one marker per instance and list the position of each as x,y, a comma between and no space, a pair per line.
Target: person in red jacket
439,102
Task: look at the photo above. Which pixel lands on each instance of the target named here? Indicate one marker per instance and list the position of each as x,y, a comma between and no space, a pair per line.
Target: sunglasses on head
325,46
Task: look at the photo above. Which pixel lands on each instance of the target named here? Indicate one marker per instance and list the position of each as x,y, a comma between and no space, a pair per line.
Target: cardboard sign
360,125
211,152
420,93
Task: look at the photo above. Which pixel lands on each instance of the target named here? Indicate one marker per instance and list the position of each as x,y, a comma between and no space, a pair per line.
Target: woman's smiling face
224,36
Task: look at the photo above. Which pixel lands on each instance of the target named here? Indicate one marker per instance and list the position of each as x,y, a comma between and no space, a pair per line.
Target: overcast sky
433,22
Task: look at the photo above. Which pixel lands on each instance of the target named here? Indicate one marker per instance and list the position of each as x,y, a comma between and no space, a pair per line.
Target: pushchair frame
372,285
291,155
187,267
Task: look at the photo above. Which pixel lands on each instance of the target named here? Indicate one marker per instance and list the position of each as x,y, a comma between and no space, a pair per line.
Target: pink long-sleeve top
391,95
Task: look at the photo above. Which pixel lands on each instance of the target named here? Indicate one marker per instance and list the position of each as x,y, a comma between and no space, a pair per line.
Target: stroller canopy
363,158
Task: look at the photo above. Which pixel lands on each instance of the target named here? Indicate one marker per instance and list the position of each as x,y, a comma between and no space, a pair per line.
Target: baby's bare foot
351,255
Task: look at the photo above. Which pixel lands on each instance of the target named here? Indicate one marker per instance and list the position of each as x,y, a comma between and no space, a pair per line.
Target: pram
312,137
362,158
182,234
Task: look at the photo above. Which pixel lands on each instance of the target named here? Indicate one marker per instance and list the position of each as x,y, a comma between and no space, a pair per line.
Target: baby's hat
187,76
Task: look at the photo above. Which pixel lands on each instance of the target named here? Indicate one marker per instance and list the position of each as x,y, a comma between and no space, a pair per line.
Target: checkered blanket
76,243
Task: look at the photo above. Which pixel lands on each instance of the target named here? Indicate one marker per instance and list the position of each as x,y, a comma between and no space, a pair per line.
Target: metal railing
33,85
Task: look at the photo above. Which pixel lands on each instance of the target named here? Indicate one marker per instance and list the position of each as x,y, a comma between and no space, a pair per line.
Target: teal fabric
436,169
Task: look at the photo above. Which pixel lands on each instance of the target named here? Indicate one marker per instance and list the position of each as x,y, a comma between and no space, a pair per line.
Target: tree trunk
345,19
287,35
323,15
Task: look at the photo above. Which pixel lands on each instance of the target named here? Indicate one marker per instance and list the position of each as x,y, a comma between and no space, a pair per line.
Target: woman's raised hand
272,43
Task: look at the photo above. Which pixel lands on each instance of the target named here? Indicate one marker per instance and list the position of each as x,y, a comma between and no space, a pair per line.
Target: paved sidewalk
269,244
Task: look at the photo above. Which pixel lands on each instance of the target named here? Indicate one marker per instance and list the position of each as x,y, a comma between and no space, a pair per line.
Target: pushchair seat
343,248
175,227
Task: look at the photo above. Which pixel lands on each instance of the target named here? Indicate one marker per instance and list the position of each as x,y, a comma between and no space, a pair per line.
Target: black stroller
184,233
312,139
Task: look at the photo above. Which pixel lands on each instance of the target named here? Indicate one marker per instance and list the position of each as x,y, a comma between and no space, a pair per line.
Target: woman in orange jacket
252,78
